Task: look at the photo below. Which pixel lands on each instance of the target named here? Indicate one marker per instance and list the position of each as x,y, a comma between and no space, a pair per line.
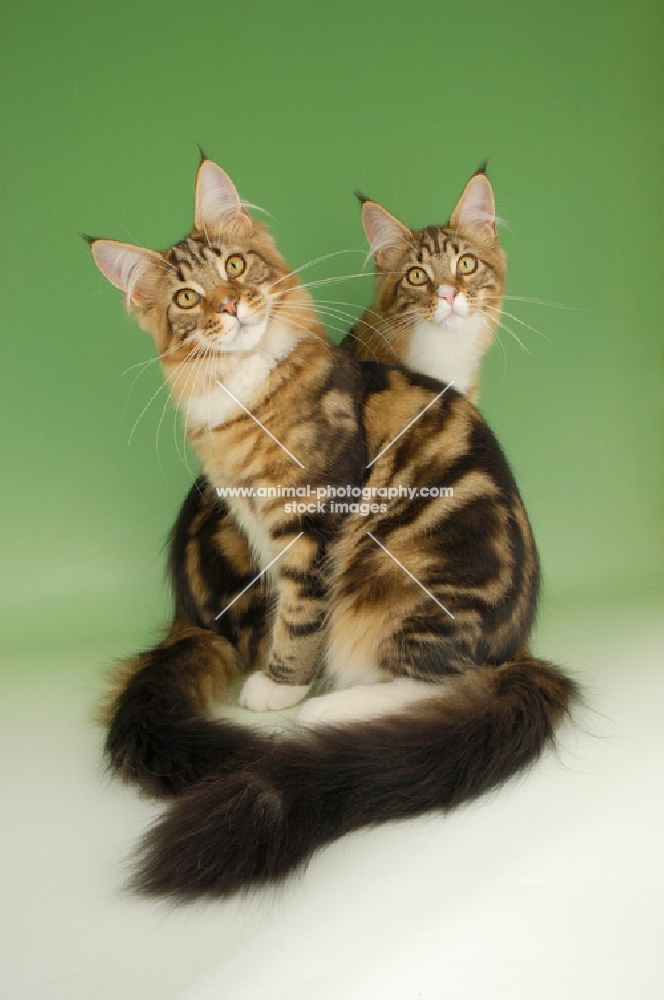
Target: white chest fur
241,374
262,544
450,351
219,402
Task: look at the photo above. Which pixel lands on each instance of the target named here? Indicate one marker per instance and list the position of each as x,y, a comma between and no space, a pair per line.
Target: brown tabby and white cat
438,295
418,614
441,320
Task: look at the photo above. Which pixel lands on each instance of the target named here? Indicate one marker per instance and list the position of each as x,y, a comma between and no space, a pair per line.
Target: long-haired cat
437,302
419,614
438,290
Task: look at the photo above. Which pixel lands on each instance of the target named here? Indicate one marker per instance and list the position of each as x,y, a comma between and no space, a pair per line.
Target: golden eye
186,298
467,264
417,276
235,265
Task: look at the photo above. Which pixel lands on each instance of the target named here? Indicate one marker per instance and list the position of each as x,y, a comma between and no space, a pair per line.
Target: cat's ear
218,204
476,208
131,269
385,233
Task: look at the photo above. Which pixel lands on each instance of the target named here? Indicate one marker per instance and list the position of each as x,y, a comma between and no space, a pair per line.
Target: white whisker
147,405
507,329
292,319
195,372
150,361
310,263
504,353
503,312
537,302
329,281
312,333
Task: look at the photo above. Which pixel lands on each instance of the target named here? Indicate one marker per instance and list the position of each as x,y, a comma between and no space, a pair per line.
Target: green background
302,102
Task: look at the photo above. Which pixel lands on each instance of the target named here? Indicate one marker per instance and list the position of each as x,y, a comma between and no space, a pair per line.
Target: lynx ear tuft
476,208
385,233
129,268
218,204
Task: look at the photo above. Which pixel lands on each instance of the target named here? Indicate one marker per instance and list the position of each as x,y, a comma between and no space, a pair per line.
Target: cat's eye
417,276
235,265
186,298
467,264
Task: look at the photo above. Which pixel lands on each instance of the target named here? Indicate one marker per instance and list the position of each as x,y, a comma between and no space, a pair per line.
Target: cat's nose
229,306
448,293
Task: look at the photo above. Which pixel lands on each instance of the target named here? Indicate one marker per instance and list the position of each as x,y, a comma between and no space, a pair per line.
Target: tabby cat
440,320
419,613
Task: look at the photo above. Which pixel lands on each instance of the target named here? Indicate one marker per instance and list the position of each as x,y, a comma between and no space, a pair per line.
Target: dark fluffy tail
158,733
255,825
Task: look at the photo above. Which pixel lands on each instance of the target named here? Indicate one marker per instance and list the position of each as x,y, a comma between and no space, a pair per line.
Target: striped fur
210,558
438,592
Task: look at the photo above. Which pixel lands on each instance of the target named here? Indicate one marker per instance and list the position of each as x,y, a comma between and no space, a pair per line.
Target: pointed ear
217,202
385,233
476,208
131,269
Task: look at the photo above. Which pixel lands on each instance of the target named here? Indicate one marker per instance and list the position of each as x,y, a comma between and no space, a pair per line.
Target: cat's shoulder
380,376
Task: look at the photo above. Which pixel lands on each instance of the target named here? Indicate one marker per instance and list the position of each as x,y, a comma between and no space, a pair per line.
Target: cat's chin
245,337
453,323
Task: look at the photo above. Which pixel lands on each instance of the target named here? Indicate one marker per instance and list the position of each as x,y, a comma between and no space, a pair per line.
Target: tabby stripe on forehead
180,262
433,233
195,250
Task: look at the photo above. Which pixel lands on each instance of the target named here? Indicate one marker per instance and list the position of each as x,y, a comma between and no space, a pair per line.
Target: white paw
261,694
328,708
312,712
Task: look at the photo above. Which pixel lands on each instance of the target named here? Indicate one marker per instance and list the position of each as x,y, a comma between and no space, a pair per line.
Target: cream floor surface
550,889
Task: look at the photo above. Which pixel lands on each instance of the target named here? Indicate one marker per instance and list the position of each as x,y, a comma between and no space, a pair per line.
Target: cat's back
427,426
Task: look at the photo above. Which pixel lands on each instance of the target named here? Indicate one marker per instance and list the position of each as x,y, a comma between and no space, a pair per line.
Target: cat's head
214,294
443,284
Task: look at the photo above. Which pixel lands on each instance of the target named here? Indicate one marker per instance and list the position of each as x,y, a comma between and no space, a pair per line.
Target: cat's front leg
298,631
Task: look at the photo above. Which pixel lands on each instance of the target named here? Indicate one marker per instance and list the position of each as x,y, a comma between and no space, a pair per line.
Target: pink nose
448,293
228,306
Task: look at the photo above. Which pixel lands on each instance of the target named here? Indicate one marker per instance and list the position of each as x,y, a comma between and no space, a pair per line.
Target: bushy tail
158,733
254,825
